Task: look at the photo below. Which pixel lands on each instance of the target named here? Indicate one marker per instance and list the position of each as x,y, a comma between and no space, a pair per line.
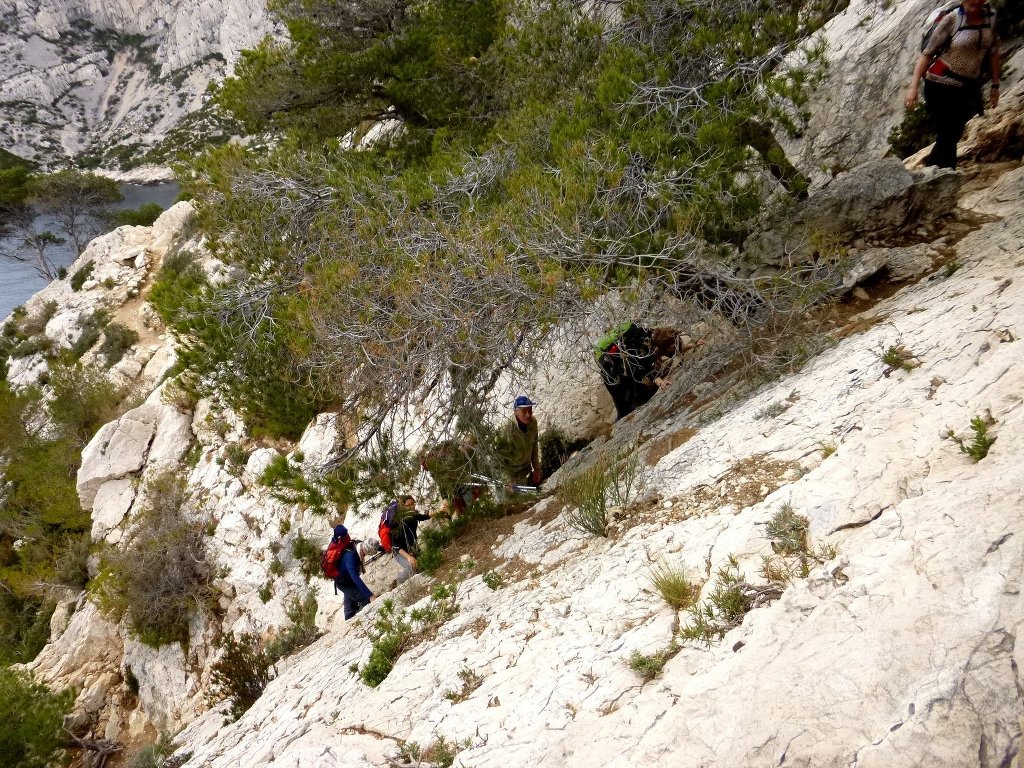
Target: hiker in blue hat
351,567
519,444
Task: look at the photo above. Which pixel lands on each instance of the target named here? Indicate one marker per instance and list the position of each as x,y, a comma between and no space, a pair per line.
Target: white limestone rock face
110,505
902,650
67,84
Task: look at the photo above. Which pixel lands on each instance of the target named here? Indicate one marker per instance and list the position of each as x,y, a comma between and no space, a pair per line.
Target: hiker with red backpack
344,562
398,531
958,44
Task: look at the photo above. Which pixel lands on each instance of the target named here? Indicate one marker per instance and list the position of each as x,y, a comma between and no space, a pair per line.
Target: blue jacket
350,573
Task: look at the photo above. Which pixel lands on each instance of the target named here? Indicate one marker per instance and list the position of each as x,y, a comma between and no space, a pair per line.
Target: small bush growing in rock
32,346
493,579
590,493
71,566
725,607
300,632
163,574
441,753
324,495
649,667
913,134
81,274
674,586
772,410
241,673
308,554
980,443
156,755
788,532
470,682
394,631
898,357
117,339
84,399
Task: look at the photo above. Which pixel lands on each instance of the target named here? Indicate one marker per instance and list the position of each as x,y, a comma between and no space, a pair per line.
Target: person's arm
352,568
915,81
535,458
408,556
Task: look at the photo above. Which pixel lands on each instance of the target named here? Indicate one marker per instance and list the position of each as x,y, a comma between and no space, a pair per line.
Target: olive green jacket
520,450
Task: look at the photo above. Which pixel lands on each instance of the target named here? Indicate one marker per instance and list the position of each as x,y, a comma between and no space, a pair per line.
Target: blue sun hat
340,532
524,402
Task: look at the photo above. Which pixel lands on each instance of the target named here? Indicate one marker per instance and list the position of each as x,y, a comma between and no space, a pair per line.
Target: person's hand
412,562
911,100
372,598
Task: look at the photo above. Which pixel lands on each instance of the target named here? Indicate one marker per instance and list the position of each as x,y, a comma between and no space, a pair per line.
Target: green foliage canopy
546,155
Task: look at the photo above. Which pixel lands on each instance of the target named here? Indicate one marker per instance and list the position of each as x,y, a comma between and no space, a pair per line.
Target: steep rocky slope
900,648
111,79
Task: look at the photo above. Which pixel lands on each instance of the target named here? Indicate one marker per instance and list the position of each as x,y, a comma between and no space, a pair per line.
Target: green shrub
80,275
470,682
980,443
393,631
31,722
788,532
592,492
240,674
493,579
84,399
143,216
674,586
724,609
327,494
71,567
32,346
158,755
308,554
913,134
649,667
162,575
898,357
24,627
117,339
300,632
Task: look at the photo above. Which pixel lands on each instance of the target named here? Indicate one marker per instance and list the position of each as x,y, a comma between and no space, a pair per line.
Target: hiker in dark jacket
350,583
404,535
951,66
627,359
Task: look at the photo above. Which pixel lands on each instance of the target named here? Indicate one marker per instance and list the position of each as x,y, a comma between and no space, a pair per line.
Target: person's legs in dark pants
354,601
949,109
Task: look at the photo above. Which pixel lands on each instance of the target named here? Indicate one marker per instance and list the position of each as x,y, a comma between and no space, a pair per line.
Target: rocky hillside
821,570
898,645
108,81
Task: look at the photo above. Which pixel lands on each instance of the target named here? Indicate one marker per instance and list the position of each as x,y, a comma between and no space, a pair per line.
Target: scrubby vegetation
394,630
38,501
246,663
592,493
31,722
162,575
537,157
980,442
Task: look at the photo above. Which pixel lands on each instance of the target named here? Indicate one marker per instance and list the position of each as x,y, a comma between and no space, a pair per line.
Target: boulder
877,199
117,450
110,505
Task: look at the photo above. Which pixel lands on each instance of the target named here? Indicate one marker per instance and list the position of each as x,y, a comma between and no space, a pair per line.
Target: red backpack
330,560
387,518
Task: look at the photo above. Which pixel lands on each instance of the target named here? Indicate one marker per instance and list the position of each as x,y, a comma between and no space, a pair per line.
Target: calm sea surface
19,281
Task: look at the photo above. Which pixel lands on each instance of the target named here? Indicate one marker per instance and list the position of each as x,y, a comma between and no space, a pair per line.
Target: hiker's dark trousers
949,108
354,600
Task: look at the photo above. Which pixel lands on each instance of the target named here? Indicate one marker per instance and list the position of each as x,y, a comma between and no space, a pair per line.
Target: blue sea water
19,281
